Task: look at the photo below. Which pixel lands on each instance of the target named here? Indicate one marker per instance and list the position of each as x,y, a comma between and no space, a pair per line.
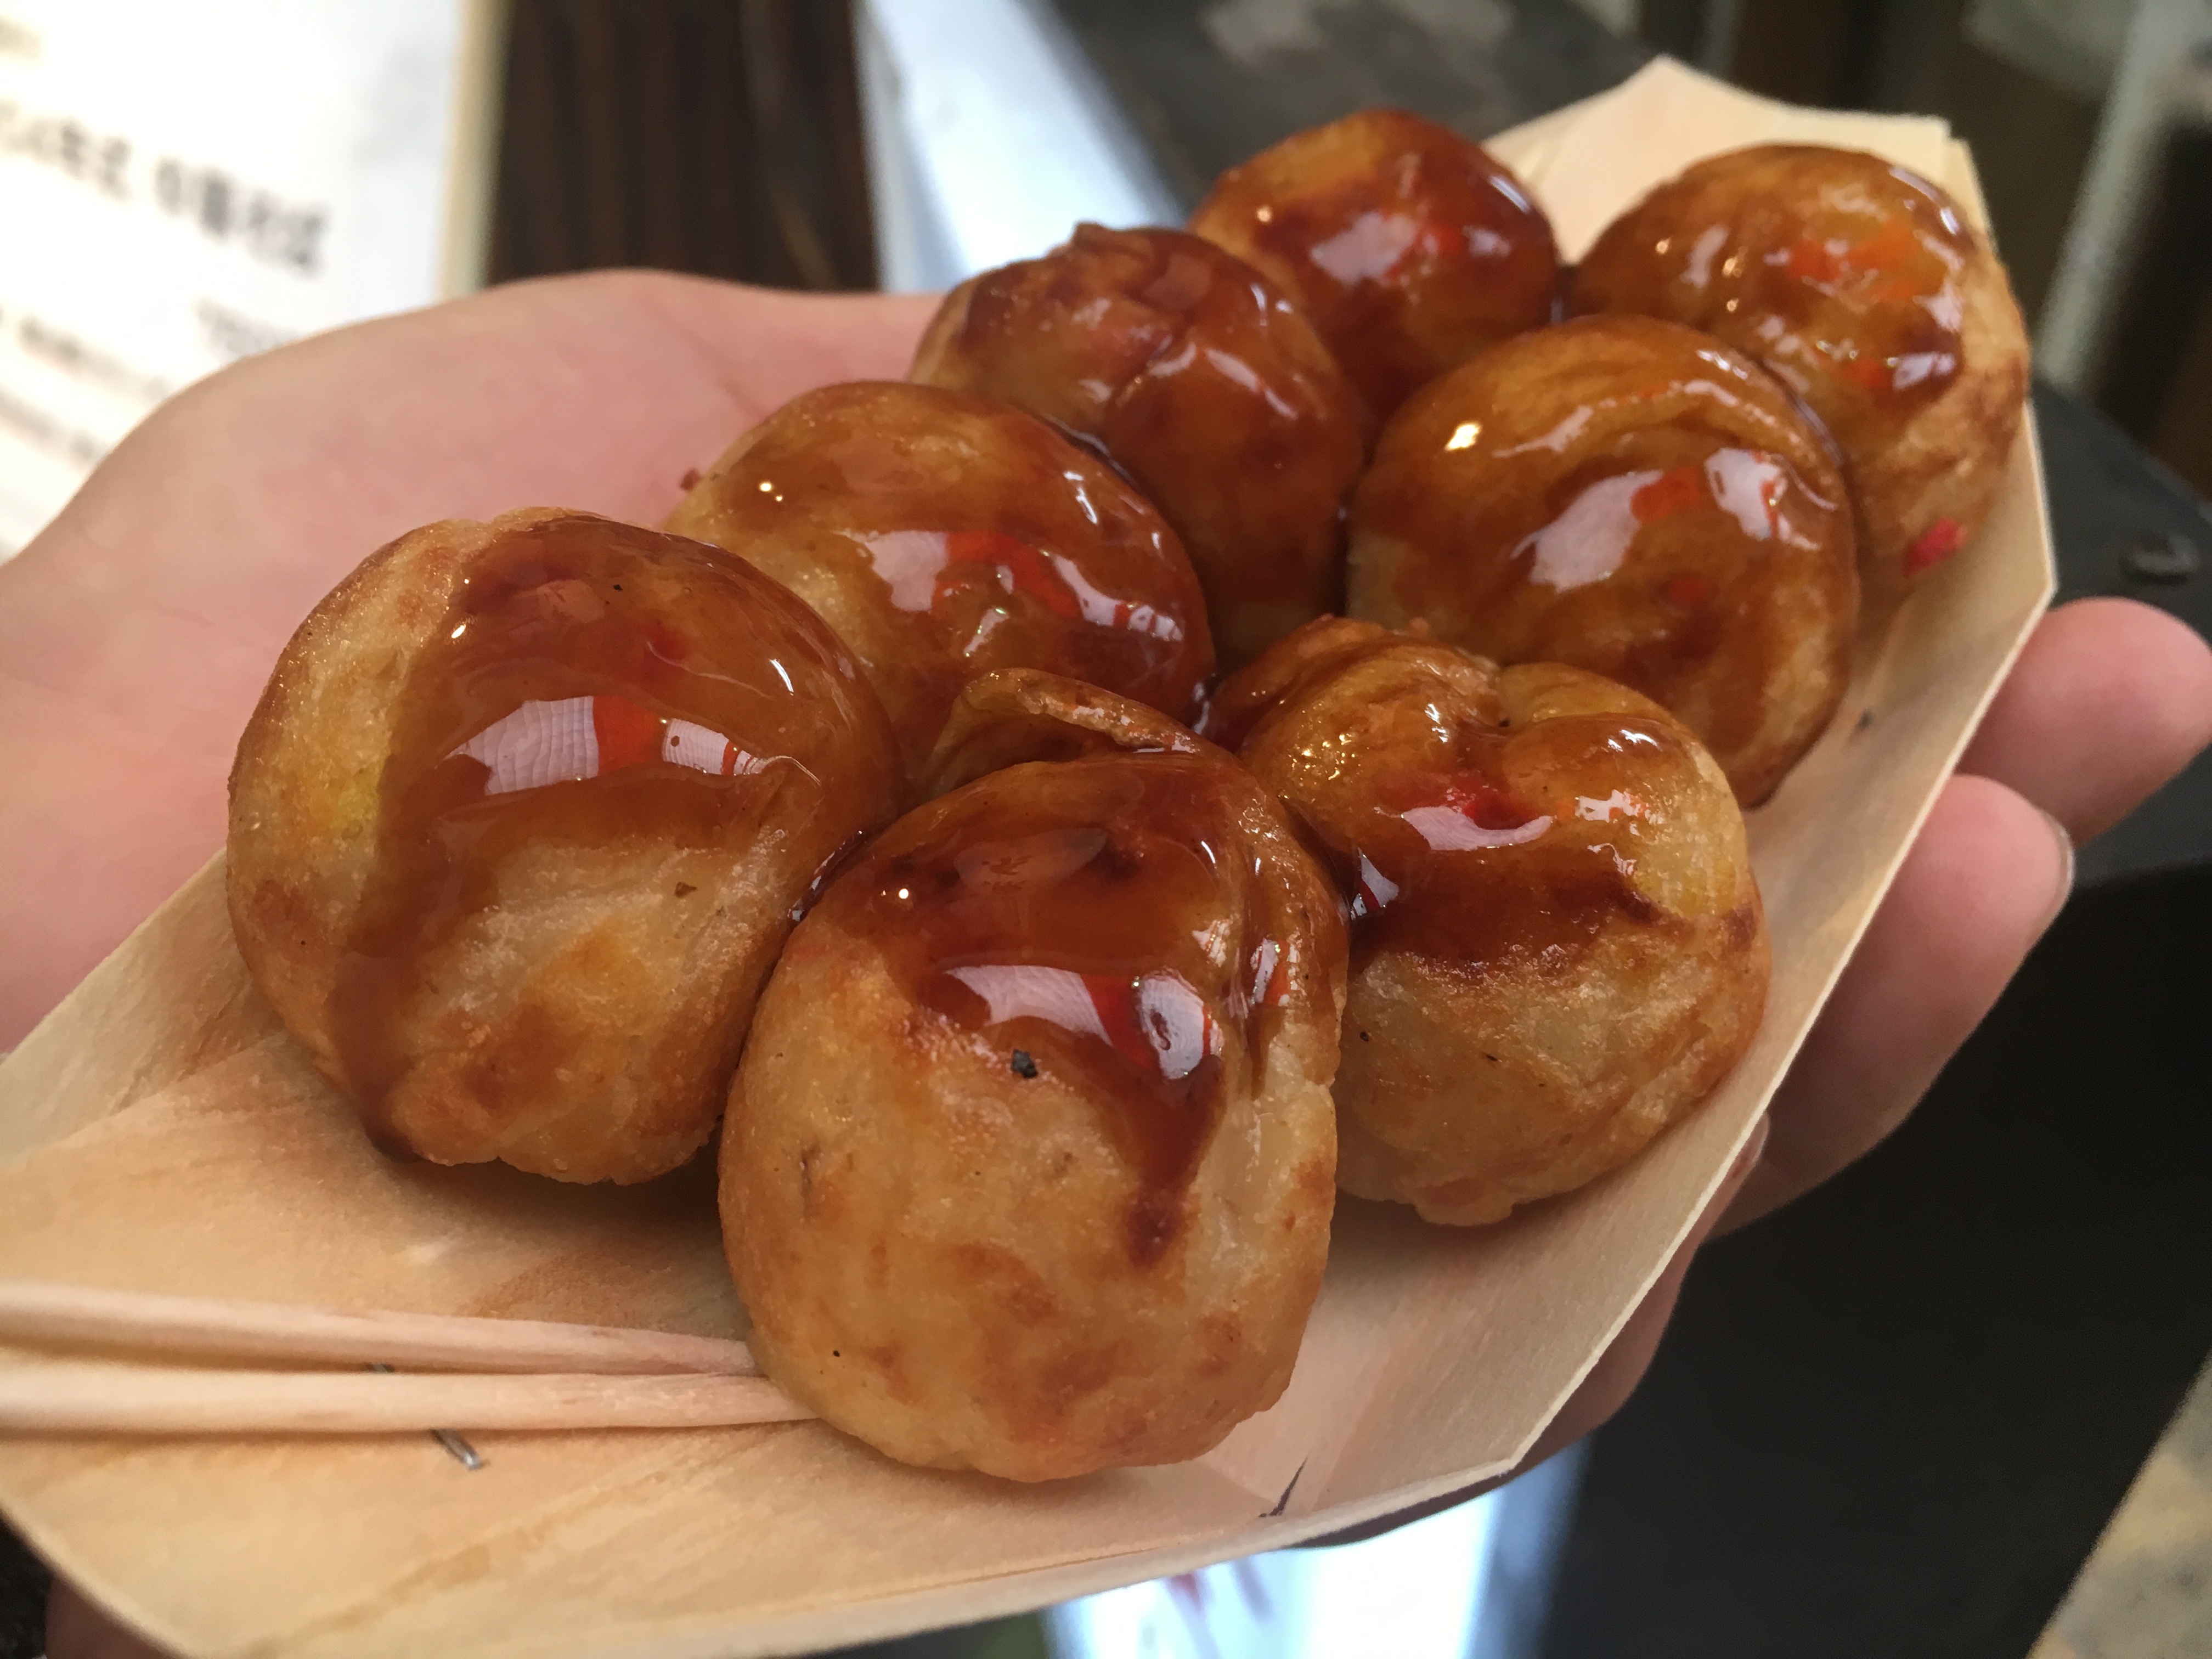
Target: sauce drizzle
1837,269
591,683
1101,919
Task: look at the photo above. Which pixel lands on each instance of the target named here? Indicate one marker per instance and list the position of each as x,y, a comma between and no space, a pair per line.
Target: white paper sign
183,182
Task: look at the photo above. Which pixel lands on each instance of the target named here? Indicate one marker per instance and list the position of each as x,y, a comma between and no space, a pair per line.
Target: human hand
136,632
136,635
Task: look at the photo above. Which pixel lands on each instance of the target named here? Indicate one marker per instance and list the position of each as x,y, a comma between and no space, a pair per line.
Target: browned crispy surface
1061,1202
1018,715
465,870
1862,287
1410,248
1202,383
1629,496
944,535
1558,946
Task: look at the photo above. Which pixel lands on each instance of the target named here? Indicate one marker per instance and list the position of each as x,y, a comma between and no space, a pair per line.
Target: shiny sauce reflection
1205,387
933,572
1093,920
1458,840
590,684
1588,539
947,534
1409,246
1464,867
1837,269
1624,495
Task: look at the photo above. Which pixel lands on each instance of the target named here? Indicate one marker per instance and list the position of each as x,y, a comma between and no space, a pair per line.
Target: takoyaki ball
1862,285
943,535
1410,248
1031,1160
1632,497
1557,945
521,822
1201,382
1018,714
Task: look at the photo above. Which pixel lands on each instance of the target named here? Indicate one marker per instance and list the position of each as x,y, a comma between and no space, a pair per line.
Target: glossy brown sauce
591,683
1409,246
1838,269
965,571
1096,921
1467,866
1457,838
1626,497
1197,380
947,536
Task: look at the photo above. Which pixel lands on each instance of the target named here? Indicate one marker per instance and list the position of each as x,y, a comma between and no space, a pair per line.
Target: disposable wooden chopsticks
556,1376
61,1398
36,1311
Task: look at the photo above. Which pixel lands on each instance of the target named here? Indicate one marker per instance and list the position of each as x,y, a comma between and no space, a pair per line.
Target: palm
136,632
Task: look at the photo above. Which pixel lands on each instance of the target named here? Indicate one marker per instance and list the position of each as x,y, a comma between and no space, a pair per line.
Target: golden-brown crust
1862,285
943,535
1557,944
1630,496
1410,248
1202,383
1297,661
564,988
339,677
1018,714
1925,496
967,1261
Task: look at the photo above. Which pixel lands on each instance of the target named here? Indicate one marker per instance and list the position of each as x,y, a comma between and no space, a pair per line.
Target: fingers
2110,699
1986,877
77,1630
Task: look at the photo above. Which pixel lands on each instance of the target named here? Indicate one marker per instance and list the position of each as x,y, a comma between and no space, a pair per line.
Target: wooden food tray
159,1132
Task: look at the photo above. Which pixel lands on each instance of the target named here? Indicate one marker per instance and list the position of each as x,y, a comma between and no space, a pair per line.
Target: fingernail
2065,872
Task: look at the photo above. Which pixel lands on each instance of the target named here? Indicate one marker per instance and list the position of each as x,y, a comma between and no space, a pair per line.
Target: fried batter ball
1862,285
1557,945
1062,1203
1201,382
1410,248
944,535
520,824
1629,496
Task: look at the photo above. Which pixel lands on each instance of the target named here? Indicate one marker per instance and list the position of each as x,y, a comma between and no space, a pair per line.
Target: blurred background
1897,1418
984,125
186,183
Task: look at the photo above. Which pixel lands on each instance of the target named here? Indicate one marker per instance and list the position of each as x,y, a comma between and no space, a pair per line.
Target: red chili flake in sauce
1937,543
1675,490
